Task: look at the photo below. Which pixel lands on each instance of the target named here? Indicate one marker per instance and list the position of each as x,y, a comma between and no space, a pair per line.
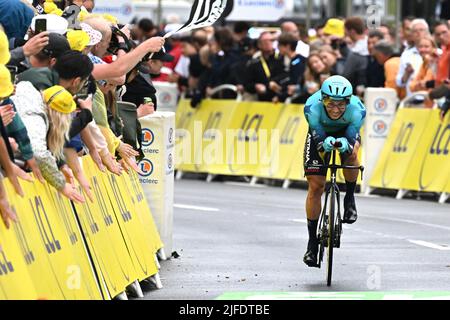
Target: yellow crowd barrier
226,137
86,251
416,154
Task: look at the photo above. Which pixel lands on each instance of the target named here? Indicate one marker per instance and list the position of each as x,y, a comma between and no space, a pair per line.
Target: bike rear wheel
331,235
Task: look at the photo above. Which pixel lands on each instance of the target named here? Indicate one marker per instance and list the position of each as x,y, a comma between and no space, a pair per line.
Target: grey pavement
235,238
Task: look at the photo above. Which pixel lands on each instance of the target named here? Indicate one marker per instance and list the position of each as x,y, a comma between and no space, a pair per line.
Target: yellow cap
83,15
110,18
59,99
4,48
335,27
78,39
6,86
49,7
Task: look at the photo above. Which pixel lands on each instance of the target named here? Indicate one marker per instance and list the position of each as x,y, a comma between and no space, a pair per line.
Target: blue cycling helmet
337,88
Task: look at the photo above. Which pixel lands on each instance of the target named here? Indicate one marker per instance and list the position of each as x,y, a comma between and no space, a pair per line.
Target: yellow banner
292,128
249,144
143,213
184,137
15,280
400,149
430,169
103,234
132,230
211,123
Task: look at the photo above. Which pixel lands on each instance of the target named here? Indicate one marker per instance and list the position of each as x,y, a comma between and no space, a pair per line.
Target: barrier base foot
179,175
286,184
121,296
443,198
162,254
368,191
210,178
157,261
135,290
254,181
156,280
401,193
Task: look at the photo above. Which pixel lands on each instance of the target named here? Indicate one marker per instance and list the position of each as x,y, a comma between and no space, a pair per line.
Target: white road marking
383,235
196,208
246,184
436,226
430,245
299,221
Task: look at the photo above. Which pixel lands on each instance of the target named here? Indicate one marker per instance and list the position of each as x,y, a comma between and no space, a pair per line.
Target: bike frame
330,224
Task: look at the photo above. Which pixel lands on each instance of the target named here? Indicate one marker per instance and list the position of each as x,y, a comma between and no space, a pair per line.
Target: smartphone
40,25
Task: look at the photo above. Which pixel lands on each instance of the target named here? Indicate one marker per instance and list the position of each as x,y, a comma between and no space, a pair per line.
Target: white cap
94,35
55,23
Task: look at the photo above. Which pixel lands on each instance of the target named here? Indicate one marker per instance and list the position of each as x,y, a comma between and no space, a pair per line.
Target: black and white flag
204,13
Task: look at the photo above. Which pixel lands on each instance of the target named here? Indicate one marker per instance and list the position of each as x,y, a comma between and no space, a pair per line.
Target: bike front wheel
331,235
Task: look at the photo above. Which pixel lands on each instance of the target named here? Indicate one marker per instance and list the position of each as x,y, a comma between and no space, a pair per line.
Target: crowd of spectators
67,73
291,63
64,74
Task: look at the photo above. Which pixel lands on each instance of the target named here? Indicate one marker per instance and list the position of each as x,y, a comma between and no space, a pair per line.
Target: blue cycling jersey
321,126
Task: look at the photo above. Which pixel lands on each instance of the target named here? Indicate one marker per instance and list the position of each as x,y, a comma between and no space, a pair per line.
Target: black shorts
313,159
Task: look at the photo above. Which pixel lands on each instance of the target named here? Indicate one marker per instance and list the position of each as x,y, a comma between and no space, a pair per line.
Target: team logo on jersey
147,137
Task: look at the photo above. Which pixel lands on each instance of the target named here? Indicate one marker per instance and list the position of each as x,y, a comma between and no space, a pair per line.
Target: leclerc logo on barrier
380,127
380,105
146,167
147,137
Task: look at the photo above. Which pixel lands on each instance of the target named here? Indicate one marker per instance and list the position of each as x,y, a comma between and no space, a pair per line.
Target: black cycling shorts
313,159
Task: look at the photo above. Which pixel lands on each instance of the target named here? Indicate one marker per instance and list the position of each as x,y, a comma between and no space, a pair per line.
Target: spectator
374,71
290,27
316,72
173,47
290,84
442,35
410,60
406,35
332,60
355,30
47,57
222,46
140,86
388,33
240,31
260,71
48,122
425,78
144,30
385,55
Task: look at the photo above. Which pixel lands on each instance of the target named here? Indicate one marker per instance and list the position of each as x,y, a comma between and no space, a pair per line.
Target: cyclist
334,115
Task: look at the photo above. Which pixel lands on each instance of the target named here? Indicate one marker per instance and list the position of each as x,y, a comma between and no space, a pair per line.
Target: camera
114,45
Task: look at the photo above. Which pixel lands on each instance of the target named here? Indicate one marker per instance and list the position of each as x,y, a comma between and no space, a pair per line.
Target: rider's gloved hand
328,144
345,146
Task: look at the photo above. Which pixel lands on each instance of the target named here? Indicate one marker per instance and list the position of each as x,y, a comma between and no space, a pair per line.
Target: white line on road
299,220
436,226
430,245
245,184
197,208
